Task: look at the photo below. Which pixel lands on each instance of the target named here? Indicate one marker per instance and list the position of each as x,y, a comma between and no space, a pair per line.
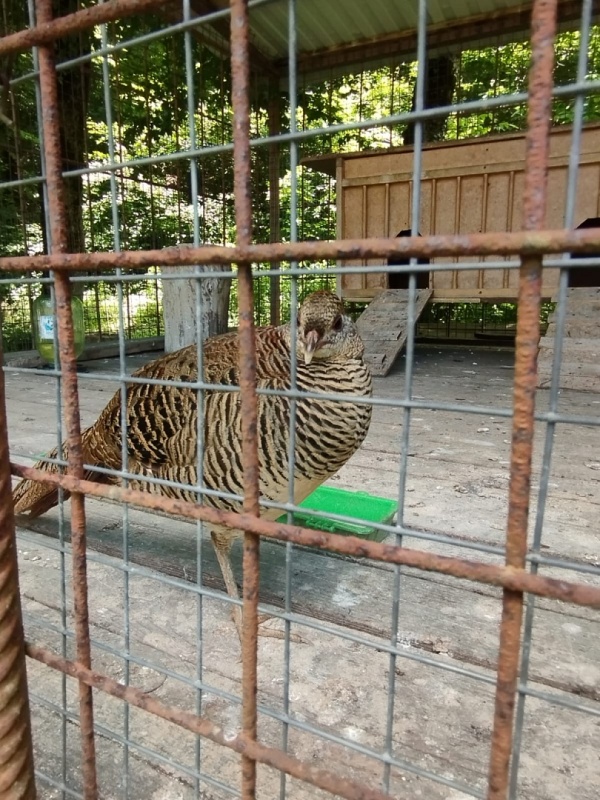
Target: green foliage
150,203
140,304
458,320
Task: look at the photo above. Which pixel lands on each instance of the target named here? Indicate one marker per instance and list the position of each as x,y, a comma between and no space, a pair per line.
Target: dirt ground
457,482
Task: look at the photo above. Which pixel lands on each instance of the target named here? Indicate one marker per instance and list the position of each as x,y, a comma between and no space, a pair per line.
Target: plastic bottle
44,320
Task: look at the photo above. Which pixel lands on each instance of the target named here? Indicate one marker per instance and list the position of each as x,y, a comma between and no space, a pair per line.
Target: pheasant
162,421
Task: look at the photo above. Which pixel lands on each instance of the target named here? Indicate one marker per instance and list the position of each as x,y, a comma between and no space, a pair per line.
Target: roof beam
447,36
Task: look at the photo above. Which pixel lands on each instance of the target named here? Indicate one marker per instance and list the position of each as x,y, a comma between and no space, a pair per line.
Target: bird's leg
222,545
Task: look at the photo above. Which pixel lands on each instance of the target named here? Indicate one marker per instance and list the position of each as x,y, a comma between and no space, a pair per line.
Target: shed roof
334,34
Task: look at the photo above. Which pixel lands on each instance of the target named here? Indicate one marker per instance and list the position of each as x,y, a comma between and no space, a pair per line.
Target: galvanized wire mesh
274,730
154,201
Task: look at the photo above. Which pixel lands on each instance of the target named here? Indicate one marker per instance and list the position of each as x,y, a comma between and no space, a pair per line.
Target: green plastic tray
365,507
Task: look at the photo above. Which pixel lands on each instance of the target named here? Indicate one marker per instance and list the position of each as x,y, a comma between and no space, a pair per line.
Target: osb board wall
470,186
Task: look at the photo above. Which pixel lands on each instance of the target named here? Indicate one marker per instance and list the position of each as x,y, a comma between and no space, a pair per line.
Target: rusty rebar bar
48,31
477,244
58,243
17,780
518,580
323,779
240,100
543,30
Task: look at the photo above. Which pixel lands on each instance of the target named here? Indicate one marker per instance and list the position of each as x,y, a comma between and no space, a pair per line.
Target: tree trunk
274,203
179,307
439,90
73,96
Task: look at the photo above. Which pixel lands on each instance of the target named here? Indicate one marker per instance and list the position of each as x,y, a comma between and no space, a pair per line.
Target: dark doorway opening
580,277
399,280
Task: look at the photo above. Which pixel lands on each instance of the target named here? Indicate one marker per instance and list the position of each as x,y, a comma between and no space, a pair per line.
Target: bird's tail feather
34,497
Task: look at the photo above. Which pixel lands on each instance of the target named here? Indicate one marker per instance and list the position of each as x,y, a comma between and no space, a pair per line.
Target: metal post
240,76
17,780
543,26
58,239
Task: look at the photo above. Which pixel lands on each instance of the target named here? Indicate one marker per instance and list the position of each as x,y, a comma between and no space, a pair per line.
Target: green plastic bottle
44,320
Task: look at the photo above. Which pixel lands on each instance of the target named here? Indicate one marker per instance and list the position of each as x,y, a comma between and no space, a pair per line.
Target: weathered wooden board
468,186
383,326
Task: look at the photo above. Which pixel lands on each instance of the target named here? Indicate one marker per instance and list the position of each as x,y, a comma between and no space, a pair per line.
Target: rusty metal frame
518,243
62,288
513,577
543,25
508,577
16,760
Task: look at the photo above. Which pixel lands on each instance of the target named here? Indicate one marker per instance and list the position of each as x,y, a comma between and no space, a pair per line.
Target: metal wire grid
514,578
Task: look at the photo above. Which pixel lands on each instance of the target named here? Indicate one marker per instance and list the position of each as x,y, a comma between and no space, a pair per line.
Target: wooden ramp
580,364
383,326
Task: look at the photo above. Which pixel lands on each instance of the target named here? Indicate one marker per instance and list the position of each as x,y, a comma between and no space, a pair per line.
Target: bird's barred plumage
162,421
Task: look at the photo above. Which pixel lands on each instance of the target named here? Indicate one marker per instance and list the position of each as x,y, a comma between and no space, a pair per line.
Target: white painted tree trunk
179,307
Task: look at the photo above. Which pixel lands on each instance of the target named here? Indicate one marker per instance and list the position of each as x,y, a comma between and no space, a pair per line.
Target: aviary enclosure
154,195
186,168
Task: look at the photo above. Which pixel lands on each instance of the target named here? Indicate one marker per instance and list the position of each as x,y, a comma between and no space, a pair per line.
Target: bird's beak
311,343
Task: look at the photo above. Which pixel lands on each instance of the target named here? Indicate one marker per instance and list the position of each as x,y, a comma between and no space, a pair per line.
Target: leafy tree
146,121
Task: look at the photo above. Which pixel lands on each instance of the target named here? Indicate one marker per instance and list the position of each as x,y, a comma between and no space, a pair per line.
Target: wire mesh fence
453,653
154,196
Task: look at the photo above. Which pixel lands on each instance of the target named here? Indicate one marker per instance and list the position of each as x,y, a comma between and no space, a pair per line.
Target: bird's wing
222,449
156,414
162,421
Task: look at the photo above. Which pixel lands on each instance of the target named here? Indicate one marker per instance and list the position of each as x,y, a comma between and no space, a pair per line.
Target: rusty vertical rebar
58,239
17,780
240,77
543,29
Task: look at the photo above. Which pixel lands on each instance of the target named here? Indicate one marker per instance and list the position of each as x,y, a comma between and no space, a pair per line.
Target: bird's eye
337,323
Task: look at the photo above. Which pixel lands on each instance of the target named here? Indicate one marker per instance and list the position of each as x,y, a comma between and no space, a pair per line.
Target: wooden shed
467,186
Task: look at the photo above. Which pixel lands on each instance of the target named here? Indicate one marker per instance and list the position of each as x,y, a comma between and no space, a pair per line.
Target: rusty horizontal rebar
323,779
477,244
85,18
495,575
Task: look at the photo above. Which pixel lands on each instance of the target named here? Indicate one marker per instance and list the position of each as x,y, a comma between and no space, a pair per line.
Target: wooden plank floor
457,485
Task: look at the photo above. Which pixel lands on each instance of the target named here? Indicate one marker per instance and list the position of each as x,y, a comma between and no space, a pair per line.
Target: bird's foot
267,633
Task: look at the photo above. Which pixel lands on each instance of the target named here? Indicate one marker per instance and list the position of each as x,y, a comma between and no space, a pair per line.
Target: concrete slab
457,486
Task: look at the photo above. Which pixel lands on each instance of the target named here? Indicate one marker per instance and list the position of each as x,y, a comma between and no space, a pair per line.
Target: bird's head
325,331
